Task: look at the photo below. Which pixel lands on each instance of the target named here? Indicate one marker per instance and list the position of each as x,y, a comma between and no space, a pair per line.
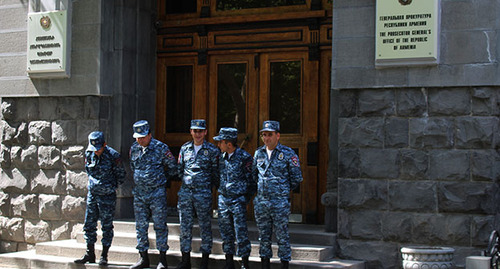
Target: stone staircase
311,248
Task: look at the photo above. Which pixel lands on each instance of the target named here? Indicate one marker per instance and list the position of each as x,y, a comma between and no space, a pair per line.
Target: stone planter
420,257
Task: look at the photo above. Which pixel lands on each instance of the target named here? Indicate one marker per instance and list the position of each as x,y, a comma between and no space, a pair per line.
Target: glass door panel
231,96
285,94
238,4
178,97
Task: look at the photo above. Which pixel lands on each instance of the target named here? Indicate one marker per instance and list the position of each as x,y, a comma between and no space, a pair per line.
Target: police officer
235,191
105,171
152,163
198,160
276,169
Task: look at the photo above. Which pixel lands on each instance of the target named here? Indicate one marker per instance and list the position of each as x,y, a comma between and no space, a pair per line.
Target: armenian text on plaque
48,44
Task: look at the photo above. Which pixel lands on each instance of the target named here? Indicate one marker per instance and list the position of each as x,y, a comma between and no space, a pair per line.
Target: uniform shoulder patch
248,166
295,161
169,155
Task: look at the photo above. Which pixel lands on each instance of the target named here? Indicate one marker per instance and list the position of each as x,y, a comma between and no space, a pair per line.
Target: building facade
417,147
391,157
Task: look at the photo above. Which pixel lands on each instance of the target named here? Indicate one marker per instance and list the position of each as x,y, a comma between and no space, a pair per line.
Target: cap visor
93,148
217,138
267,130
197,128
136,135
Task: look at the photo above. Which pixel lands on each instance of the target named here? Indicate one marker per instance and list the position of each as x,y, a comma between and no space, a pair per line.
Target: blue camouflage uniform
151,166
235,190
105,172
276,177
199,174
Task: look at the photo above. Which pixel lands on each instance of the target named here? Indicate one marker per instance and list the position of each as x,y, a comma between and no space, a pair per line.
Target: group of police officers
272,173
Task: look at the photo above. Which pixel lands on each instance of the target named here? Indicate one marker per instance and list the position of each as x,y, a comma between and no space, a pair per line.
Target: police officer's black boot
104,256
204,261
143,261
229,262
162,263
284,264
186,261
244,263
266,263
89,255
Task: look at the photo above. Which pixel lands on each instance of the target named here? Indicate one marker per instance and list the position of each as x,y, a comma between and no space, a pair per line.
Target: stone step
123,257
30,260
311,248
299,233
299,251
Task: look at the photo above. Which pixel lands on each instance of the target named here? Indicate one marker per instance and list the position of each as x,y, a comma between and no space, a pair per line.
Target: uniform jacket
105,172
236,174
199,171
276,176
153,166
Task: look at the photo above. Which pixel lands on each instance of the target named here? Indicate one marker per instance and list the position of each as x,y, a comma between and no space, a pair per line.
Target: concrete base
477,262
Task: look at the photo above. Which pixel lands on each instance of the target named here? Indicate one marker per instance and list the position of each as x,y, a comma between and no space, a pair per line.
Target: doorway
237,67
242,91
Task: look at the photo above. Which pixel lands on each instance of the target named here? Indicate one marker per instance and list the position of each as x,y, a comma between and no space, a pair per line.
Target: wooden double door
242,90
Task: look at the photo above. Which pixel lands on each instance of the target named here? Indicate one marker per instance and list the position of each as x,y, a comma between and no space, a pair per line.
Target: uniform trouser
151,204
201,201
233,219
99,207
273,213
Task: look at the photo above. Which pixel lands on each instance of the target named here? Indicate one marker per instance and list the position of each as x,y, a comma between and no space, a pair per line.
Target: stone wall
418,147
45,122
43,183
417,166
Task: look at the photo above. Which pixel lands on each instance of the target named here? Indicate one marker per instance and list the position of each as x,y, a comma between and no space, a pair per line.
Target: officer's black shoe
266,263
284,264
186,261
143,261
204,261
245,264
162,264
104,256
89,255
229,262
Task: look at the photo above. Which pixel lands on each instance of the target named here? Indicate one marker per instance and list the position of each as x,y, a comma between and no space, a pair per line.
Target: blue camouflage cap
227,133
96,141
270,126
141,129
198,124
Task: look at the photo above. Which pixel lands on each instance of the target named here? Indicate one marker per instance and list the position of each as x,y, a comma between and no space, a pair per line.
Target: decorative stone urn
421,257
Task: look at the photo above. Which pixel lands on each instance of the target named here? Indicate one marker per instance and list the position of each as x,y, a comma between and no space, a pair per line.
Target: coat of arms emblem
45,22
405,2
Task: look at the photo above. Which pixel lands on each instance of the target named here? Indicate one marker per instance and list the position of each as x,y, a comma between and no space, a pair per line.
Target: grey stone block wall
43,184
418,147
421,166
45,122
